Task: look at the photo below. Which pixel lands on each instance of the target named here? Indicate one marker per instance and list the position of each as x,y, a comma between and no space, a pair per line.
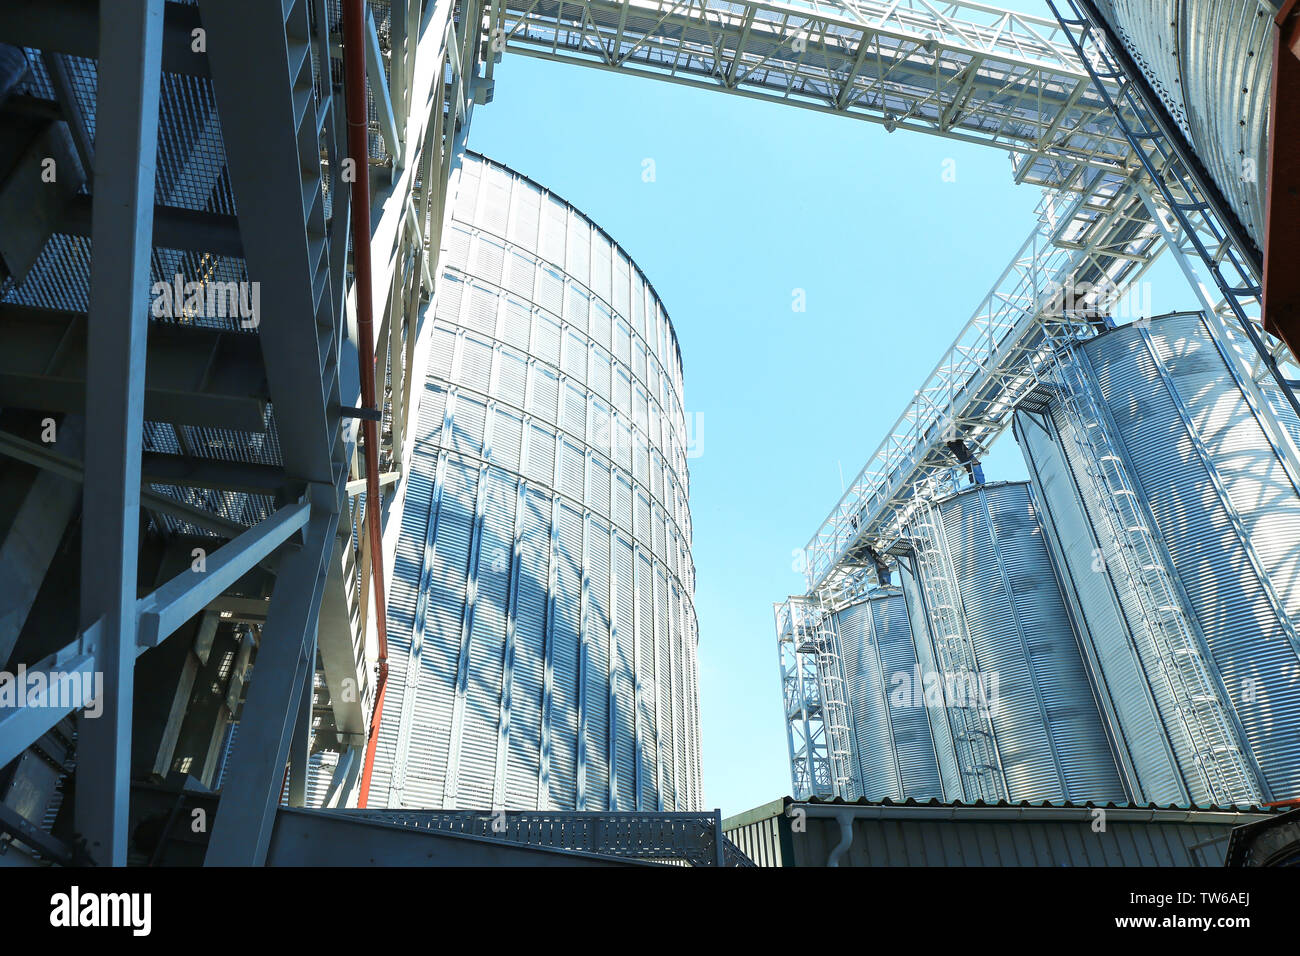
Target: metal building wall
1211,63
885,834
541,624
1217,480
1046,733
893,752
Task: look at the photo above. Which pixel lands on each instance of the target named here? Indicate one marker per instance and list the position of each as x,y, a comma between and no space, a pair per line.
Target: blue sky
750,202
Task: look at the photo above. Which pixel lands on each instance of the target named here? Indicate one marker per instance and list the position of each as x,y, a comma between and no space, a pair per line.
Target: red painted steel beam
1282,222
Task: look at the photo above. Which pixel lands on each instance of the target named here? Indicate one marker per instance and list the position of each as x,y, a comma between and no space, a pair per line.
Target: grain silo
541,620
893,753
1011,708
1210,62
1168,486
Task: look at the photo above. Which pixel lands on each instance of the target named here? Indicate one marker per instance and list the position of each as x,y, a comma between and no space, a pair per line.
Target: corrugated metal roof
786,832
1050,804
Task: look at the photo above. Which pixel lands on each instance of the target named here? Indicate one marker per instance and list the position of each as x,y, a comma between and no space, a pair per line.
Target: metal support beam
191,230
70,26
345,778
61,80
358,485
285,659
300,745
376,80
130,72
192,376
38,455
342,644
67,679
163,469
41,516
191,591
260,58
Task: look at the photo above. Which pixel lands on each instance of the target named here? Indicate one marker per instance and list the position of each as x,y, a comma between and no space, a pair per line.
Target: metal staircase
1164,633
977,752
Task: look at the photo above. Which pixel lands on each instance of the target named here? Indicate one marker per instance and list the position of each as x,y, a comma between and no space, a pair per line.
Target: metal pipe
845,818
354,86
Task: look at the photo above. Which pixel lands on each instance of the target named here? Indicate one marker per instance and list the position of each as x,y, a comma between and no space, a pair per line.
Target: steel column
285,661
130,65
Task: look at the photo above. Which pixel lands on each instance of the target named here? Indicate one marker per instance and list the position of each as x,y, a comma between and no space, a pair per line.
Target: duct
845,819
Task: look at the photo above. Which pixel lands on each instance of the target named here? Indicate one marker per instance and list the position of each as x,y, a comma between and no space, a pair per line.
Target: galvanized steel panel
1141,740
1211,63
1049,736
561,676
1220,485
941,731
894,754
955,835
1227,506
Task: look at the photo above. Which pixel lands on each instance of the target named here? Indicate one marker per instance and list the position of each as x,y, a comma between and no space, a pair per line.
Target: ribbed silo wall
1210,61
541,625
1047,732
1214,469
893,752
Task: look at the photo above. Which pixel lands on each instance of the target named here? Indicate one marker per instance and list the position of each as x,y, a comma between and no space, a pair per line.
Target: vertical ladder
977,753
815,630
1167,626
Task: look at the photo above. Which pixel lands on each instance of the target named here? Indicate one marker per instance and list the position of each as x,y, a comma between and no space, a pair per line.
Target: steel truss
961,70
1194,216
1084,251
819,722
972,391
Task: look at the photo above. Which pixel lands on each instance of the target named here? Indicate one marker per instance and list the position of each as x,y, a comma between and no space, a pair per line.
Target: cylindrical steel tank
1168,487
1011,708
1210,61
541,624
893,752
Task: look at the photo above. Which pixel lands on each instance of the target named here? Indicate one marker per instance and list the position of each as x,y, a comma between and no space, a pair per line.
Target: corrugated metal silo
541,622
893,752
1210,61
987,612
1169,490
